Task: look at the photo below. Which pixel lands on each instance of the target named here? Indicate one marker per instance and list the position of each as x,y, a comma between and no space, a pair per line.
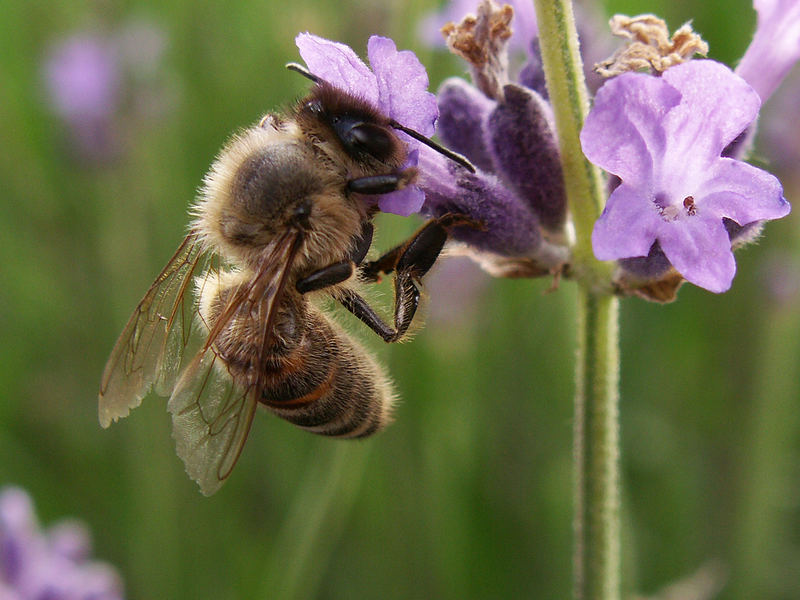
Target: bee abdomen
329,385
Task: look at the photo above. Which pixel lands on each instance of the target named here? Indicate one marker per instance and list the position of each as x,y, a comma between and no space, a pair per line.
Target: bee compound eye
370,138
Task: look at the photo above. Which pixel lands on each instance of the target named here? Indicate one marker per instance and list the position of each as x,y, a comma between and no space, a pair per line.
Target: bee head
360,128
353,126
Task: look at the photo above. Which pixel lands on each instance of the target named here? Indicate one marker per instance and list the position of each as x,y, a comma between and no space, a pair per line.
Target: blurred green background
469,493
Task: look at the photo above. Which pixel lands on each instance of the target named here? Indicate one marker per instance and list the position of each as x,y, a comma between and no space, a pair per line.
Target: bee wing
212,409
211,417
150,350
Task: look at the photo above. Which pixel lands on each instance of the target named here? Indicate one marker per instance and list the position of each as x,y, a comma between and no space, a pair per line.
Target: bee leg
411,261
419,252
382,184
403,315
340,271
326,277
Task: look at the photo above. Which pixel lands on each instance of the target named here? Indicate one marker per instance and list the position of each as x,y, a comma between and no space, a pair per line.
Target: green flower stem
596,450
563,68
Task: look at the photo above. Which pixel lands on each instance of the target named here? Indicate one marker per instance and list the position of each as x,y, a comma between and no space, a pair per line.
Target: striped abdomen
325,382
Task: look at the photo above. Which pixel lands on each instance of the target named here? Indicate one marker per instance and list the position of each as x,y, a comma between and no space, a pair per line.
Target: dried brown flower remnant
482,41
651,46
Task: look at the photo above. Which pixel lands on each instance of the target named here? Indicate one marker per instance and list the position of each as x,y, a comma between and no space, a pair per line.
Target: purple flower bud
510,228
663,136
775,47
521,139
463,111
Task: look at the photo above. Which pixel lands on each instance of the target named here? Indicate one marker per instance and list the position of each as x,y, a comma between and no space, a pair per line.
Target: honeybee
230,322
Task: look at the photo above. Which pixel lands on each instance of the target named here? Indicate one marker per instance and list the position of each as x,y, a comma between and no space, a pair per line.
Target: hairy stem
558,41
596,450
596,445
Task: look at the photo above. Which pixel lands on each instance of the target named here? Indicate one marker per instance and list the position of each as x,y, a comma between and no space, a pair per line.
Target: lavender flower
90,78
50,564
664,137
506,129
82,79
775,47
395,83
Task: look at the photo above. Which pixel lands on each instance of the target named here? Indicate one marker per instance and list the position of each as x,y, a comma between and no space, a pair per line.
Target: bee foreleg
341,271
382,184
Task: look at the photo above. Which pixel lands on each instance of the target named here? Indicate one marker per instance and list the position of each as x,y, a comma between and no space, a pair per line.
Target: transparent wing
211,417
212,406
150,351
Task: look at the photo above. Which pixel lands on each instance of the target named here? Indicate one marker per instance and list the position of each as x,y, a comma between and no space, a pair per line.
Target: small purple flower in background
82,78
52,564
771,55
775,47
395,83
92,78
663,137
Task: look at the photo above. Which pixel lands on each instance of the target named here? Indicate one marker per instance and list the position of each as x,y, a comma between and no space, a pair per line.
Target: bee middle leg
341,271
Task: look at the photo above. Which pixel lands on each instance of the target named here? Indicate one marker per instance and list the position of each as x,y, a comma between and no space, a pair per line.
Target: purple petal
622,132
71,540
628,225
775,47
402,86
19,534
338,65
700,250
407,201
716,106
742,192
463,111
403,202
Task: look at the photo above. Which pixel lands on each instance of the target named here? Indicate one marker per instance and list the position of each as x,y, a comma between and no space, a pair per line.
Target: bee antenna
454,156
297,68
